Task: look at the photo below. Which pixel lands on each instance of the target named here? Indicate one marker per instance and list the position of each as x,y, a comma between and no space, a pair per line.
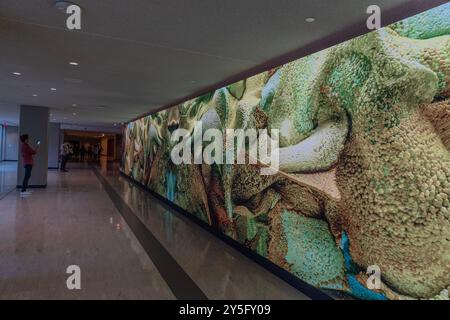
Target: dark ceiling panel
138,56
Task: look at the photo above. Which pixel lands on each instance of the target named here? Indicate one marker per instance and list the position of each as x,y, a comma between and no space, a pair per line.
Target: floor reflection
219,270
72,222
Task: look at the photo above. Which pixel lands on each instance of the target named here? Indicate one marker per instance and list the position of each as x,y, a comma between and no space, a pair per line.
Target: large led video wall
362,190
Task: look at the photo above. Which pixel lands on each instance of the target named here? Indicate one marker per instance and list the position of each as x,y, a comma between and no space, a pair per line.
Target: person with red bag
27,156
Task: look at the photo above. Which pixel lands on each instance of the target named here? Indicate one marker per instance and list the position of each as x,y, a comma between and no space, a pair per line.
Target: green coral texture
364,173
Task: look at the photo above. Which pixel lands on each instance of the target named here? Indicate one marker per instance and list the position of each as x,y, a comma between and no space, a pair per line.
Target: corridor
79,220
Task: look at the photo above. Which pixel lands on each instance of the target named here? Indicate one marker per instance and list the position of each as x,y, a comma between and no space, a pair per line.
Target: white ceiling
137,56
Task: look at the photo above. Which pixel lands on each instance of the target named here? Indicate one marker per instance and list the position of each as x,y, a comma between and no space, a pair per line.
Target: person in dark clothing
89,152
27,157
96,150
82,153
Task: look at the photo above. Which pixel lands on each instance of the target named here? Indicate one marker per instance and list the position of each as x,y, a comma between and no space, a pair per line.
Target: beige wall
104,144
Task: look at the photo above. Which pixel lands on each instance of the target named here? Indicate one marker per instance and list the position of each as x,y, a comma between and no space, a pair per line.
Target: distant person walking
65,155
89,152
82,153
96,151
100,150
27,157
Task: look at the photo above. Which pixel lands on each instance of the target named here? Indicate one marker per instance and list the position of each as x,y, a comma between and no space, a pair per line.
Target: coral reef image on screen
360,203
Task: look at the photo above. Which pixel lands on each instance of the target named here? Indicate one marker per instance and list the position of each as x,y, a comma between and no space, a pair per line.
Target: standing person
96,152
71,150
82,152
90,152
76,151
100,150
65,154
27,156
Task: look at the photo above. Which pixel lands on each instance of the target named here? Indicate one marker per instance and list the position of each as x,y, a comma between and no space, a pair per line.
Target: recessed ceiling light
34,95
17,73
74,105
74,114
53,89
63,5
73,63
310,19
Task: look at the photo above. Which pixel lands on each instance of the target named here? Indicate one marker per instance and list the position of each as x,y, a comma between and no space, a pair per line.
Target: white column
34,122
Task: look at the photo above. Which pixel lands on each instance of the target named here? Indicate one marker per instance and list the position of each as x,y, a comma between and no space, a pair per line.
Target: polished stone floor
75,221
